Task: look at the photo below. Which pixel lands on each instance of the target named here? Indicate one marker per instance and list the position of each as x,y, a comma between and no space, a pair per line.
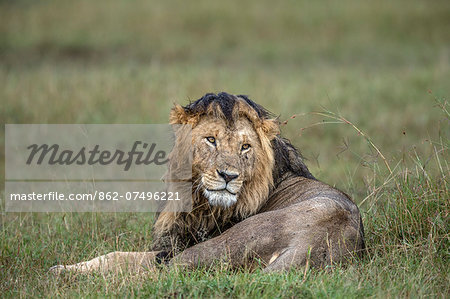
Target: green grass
381,65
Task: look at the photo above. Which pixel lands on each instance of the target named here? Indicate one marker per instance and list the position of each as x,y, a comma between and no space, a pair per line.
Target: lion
254,199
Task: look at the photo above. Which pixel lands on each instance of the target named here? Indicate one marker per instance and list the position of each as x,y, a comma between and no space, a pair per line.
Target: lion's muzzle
221,188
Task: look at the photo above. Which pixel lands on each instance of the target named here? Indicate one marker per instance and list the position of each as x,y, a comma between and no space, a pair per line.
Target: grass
382,67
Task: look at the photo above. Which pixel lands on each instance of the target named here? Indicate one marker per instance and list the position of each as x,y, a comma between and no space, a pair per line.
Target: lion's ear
178,115
271,128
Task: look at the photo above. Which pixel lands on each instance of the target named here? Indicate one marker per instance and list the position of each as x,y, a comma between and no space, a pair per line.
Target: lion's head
232,154
238,155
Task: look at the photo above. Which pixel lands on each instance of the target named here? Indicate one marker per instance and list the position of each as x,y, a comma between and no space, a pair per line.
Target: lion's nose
227,176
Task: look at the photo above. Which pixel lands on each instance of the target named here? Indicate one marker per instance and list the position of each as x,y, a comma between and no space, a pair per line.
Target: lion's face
224,158
233,157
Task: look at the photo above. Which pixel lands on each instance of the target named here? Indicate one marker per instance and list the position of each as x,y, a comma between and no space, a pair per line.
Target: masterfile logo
51,168
52,155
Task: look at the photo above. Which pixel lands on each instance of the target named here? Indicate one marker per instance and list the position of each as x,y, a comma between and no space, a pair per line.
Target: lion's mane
176,230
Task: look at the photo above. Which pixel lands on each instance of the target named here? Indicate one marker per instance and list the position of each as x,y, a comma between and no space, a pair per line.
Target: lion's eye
211,140
245,147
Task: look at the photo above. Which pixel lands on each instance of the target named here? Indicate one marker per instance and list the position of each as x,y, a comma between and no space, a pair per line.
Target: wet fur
283,216
278,161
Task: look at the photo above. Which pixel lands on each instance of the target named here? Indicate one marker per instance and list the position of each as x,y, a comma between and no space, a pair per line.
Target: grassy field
384,66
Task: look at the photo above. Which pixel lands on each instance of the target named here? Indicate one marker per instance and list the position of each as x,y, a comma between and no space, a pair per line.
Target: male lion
253,199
